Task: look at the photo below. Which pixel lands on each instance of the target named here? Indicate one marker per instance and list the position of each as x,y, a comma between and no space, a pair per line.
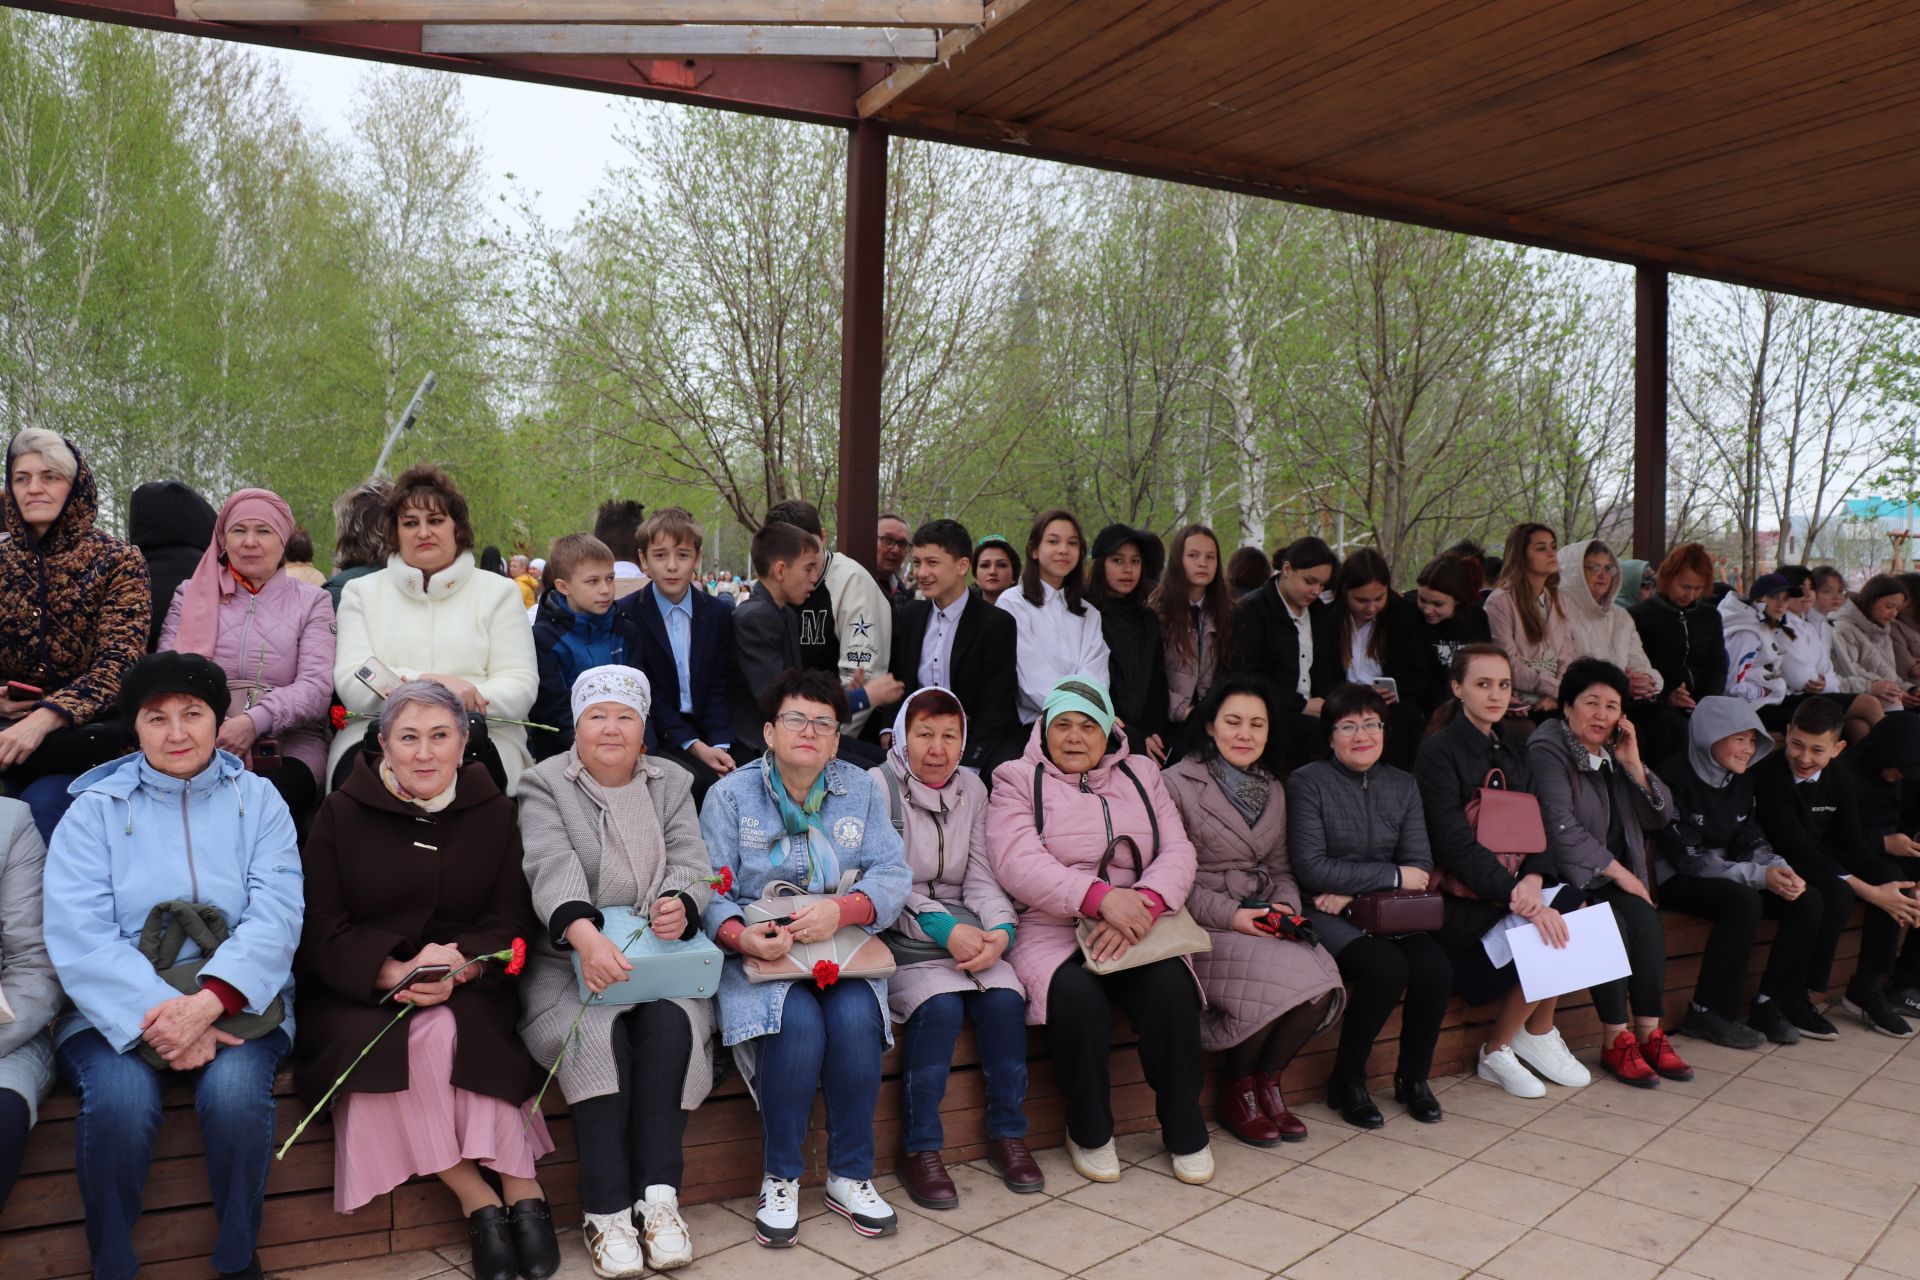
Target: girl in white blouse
1057,634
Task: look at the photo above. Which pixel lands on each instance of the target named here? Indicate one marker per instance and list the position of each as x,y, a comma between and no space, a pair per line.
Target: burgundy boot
1266,1091
1240,1112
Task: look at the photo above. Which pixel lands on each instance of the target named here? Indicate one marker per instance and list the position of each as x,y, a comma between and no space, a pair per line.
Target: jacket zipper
246,633
193,875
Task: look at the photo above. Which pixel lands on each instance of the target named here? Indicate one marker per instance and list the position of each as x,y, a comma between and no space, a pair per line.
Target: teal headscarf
1084,694
1632,574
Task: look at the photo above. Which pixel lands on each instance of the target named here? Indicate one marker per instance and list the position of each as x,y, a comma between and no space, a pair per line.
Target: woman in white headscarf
949,942
604,825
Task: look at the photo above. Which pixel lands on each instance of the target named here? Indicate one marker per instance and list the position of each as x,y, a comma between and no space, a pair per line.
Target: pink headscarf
212,582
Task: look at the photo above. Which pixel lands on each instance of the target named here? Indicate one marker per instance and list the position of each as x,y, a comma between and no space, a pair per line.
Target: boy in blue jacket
575,630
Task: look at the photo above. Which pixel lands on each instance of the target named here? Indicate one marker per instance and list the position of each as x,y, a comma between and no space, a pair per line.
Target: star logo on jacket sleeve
862,629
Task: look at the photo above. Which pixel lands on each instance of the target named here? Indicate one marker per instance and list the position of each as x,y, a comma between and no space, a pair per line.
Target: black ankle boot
531,1227
1350,1098
1418,1099
493,1253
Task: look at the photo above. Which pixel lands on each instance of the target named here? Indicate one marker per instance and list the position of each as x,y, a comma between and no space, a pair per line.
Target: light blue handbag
662,970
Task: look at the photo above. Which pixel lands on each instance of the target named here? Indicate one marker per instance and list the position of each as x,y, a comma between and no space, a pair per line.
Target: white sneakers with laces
1095,1164
1504,1069
662,1230
613,1245
776,1223
1548,1054
862,1206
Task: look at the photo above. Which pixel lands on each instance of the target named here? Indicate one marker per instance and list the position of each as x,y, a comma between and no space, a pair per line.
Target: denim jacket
741,825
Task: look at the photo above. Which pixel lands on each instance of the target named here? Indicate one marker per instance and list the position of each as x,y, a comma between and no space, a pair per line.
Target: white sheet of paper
1494,941
1594,954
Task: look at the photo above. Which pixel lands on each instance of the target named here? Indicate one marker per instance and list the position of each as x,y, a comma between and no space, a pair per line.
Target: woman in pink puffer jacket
272,635
1051,818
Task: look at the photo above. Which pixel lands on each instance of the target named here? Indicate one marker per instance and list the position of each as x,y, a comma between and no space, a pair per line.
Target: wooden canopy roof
1766,142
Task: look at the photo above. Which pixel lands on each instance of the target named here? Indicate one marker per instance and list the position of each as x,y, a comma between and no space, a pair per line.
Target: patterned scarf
432,804
1245,789
798,819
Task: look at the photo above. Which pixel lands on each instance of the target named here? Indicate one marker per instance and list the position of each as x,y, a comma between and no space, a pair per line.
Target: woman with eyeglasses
1355,826
797,815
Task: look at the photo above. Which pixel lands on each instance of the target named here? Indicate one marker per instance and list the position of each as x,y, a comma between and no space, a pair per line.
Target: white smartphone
1387,685
378,676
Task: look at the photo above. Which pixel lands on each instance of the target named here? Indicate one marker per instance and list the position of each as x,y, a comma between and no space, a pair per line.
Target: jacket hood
1850,614
1894,743
1633,576
1737,615
1575,598
167,513
1720,717
473,786
75,520
554,608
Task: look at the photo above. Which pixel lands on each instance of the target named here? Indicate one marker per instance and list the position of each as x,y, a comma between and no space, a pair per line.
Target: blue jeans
120,1098
829,1040
47,800
1000,1026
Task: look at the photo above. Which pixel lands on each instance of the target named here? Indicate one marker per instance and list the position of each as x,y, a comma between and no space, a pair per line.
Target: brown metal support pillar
860,333
1650,414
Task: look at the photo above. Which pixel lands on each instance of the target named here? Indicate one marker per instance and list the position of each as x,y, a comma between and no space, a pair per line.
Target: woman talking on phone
414,869
1601,802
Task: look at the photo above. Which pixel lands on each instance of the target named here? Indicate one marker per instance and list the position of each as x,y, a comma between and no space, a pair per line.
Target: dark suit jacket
982,674
766,642
711,720
1265,642
1406,656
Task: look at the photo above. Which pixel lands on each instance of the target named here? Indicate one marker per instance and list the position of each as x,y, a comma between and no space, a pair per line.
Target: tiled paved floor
1795,1164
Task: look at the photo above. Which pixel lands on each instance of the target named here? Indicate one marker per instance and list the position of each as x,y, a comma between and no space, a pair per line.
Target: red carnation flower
723,882
519,960
826,973
338,715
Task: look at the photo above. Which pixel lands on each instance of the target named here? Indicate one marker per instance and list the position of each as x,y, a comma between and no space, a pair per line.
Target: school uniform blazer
766,641
982,673
708,657
1265,641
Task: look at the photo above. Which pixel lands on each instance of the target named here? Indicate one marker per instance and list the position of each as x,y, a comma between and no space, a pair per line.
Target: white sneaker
668,1242
1548,1054
1095,1164
862,1206
1505,1070
776,1223
1195,1169
613,1245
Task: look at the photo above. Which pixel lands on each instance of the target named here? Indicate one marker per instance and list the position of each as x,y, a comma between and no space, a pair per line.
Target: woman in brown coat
416,861
1267,993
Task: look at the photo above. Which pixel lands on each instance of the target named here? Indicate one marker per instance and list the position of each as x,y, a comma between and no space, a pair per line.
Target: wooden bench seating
41,1233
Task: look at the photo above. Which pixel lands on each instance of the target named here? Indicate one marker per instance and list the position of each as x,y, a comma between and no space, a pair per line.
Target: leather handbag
1174,934
169,926
1393,912
855,952
663,968
1508,824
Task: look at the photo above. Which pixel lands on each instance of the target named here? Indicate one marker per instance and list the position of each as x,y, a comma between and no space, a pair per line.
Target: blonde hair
54,451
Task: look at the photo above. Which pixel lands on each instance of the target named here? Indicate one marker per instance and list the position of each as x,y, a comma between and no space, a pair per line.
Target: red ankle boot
1266,1091
1623,1061
1240,1112
1658,1051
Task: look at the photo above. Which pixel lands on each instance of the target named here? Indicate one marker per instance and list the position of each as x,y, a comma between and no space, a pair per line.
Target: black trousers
1736,911
1163,1003
1644,990
1879,935
1379,972
631,1140
299,788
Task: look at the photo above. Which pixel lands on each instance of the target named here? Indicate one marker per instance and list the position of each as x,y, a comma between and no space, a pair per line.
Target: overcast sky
553,142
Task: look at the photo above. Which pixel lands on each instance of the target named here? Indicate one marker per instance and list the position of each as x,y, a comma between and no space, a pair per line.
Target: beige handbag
853,951
1174,934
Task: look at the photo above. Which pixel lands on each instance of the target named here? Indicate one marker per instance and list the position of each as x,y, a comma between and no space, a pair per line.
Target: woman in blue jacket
799,815
183,823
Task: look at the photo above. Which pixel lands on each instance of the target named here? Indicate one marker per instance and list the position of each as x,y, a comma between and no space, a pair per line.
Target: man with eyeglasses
890,555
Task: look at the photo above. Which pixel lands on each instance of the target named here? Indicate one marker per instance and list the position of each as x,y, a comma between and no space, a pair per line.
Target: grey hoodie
1716,831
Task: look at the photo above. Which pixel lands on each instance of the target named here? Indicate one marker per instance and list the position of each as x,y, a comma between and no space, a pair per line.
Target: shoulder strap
893,801
1039,810
1496,778
1153,819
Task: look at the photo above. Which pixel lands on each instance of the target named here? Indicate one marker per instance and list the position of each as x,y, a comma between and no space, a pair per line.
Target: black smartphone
422,973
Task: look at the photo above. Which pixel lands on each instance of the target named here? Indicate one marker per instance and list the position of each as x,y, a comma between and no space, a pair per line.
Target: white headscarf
612,683
899,748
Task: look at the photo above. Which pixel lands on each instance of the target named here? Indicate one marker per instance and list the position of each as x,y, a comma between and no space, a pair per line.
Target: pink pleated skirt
382,1139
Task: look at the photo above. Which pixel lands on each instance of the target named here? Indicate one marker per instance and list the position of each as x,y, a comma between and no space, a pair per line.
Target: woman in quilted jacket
1268,991
1354,826
272,635
73,618
1053,815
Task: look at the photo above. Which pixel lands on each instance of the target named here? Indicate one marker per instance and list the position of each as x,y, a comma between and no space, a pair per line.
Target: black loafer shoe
249,1272
494,1257
1418,1099
531,1228
1355,1105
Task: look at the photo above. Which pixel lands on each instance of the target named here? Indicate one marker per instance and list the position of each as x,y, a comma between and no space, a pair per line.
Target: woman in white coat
431,615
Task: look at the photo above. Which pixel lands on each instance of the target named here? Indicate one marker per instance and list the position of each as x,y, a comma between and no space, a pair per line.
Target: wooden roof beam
818,13
801,44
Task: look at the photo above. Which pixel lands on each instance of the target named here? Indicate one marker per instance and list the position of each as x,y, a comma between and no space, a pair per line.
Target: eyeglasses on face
888,540
1347,728
806,726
